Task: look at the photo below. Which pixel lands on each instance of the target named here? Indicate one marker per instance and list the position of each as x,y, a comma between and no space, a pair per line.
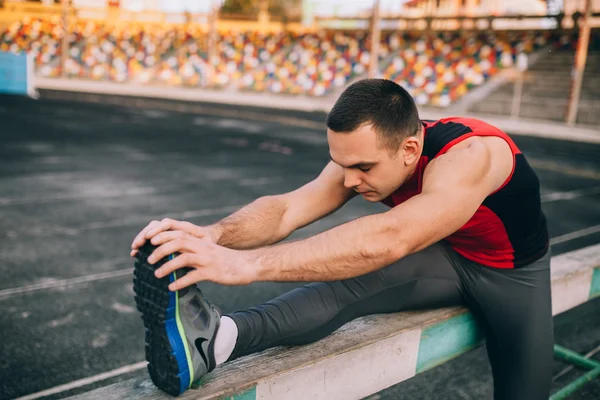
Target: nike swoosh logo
199,346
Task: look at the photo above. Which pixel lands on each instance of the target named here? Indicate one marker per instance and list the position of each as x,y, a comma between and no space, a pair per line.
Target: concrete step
546,92
560,79
562,67
547,109
547,74
546,100
568,56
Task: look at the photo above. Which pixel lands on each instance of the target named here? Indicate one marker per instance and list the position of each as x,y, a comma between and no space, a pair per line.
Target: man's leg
420,281
515,309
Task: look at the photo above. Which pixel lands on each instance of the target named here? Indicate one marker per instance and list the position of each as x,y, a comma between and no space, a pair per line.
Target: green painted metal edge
577,384
595,286
247,395
446,340
575,358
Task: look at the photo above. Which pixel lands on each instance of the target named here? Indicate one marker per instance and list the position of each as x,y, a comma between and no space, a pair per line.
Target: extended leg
420,281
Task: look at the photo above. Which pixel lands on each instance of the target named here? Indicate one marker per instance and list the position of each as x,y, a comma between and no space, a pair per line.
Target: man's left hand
210,262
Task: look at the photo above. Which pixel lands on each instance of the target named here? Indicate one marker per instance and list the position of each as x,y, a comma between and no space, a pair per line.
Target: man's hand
167,224
210,262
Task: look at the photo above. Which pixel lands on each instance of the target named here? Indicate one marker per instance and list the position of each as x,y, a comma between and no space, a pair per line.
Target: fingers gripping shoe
180,326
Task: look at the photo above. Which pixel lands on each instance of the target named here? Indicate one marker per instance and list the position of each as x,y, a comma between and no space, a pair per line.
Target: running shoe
180,326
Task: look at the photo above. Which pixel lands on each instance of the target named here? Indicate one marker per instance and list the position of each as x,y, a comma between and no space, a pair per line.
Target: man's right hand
168,224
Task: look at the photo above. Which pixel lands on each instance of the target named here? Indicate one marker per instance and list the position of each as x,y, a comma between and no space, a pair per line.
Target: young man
465,227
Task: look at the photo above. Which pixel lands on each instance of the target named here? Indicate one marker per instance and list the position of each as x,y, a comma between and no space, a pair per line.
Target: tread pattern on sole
152,298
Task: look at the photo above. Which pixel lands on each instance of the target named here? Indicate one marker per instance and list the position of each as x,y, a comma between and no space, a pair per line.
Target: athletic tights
513,306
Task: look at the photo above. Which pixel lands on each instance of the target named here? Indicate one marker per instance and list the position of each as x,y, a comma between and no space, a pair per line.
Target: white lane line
45,160
86,381
131,221
43,198
67,282
570,195
144,190
575,235
563,169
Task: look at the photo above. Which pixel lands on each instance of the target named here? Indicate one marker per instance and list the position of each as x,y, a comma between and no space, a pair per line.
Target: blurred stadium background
440,50
78,180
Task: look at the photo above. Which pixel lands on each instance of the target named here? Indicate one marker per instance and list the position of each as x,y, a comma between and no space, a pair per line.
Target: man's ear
410,150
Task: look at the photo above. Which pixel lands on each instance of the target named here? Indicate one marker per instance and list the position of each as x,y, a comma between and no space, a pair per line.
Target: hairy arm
256,224
270,219
454,186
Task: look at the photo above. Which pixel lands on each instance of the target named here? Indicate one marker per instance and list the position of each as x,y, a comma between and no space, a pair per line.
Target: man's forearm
349,250
255,225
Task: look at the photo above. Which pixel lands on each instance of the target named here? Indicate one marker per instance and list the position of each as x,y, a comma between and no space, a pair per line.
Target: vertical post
517,94
375,38
64,46
308,13
263,14
283,11
212,32
580,61
518,90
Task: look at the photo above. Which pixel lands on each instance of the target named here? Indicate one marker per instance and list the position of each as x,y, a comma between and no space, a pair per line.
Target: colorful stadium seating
436,68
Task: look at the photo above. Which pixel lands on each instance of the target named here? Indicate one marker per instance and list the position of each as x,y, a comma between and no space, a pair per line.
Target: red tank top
509,229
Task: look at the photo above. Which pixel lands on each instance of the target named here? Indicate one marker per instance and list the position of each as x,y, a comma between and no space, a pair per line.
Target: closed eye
364,166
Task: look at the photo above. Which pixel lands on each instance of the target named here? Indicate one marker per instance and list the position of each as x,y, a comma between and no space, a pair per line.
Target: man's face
370,168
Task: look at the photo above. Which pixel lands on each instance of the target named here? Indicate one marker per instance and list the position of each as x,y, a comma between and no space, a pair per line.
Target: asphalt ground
78,181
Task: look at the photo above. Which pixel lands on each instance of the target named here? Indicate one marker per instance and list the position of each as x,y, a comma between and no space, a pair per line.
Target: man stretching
465,227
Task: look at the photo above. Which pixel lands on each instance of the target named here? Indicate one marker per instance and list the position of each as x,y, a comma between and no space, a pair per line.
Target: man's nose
351,179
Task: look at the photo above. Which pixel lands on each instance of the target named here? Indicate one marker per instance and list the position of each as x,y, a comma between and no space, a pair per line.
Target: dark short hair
384,104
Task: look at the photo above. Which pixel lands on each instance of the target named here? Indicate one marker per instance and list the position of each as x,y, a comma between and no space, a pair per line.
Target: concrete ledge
366,355
267,100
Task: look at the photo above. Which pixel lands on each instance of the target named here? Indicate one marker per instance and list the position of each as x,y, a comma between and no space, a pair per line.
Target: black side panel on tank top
441,134
518,206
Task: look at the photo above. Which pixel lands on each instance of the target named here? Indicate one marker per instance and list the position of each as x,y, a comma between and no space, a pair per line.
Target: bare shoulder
479,160
478,145
499,155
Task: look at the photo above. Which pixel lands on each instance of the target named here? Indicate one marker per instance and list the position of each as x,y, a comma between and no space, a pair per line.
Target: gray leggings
512,305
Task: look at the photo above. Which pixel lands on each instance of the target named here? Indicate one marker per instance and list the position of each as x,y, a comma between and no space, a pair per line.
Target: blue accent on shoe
176,338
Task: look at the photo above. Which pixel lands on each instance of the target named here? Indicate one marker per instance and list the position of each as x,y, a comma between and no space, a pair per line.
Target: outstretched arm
454,186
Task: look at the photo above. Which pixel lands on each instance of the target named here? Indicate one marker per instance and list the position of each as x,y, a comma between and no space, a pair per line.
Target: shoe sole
167,352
